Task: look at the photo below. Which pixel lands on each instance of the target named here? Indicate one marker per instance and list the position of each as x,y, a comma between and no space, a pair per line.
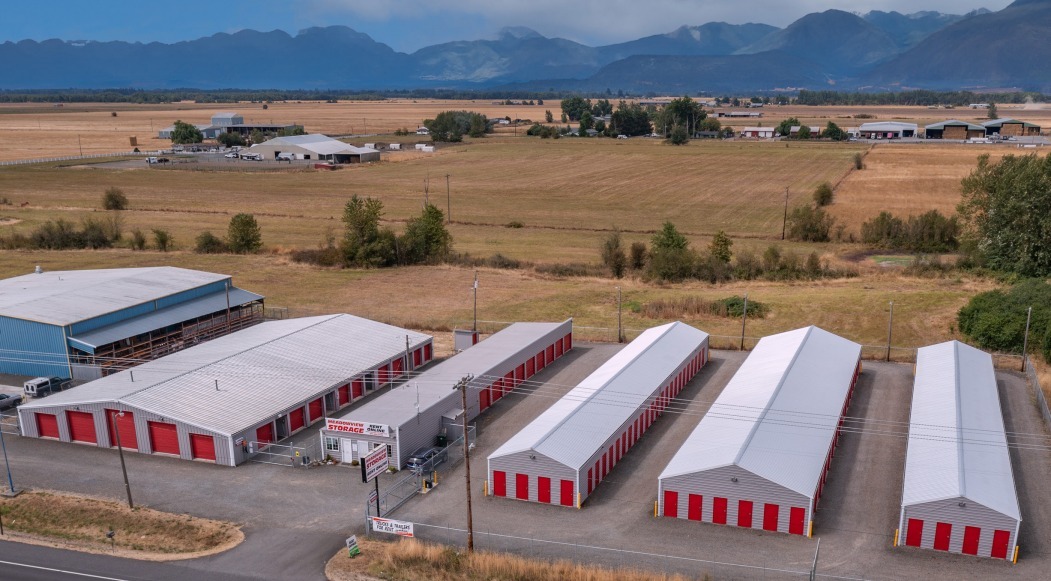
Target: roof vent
39,270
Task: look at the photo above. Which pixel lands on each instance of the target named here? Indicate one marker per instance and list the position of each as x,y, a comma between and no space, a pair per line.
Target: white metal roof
70,296
778,414
399,405
1006,120
955,123
261,371
888,126
571,430
957,445
317,143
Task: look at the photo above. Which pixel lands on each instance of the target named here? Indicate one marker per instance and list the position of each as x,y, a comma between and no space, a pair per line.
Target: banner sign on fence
393,527
374,464
349,427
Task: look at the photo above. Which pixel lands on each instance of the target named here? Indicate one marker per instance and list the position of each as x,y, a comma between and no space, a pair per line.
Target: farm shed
959,491
762,132
760,456
1011,128
315,147
224,399
413,415
887,130
562,456
84,324
953,129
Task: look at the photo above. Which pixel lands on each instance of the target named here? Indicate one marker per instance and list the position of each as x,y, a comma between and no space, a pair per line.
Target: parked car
9,402
426,458
622,136
252,156
232,155
151,160
41,386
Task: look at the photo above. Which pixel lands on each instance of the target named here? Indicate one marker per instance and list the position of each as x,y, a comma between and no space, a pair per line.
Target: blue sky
407,25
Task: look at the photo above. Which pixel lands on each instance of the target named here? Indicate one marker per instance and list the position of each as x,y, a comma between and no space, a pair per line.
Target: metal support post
620,328
744,319
462,386
120,450
890,328
474,327
1025,341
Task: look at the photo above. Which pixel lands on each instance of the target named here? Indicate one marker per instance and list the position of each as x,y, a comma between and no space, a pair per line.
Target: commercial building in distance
414,414
315,147
563,455
84,324
1011,128
959,490
953,129
887,130
224,400
760,456
229,122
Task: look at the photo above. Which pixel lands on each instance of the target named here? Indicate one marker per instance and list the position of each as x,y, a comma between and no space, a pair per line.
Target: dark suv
9,402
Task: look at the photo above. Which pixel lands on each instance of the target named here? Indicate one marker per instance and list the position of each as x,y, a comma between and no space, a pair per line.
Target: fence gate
9,423
290,454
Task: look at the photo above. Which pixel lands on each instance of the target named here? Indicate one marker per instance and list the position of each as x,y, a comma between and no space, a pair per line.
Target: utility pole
10,481
744,319
890,327
784,223
1025,341
120,450
79,146
462,386
448,202
474,327
620,329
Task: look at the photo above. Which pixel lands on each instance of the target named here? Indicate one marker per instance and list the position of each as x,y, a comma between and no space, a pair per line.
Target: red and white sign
374,463
393,527
350,427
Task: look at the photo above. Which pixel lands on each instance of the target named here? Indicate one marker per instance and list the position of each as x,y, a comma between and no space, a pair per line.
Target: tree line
915,98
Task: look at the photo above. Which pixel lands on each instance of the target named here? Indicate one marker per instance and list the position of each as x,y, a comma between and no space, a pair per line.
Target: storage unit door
971,535
428,352
770,517
164,438
417,358
558,348
126,424
1000,540
671,503
693,506
796,516
744,514
530,366
914,533
499,483
357,388
82,427
317,409
543,489
47,425
719,511
483,399
522,486
295,420
202,447
942,534
550,356
265,434
397,366
567,493
343,395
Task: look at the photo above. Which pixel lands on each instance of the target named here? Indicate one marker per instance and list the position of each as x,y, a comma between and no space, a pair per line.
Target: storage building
760,456
413,415
1011,128
562,456
315,147
887,130
953,129
959,490
222,400
84,324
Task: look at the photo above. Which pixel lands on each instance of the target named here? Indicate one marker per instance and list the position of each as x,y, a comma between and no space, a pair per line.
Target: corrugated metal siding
717,483
31,348
534,465
145,307
971,514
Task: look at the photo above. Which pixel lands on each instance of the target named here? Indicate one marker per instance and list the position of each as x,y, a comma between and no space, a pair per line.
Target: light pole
10,481
120,450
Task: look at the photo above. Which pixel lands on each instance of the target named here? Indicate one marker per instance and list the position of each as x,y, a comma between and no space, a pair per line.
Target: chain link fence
9,422
1041,401
411,482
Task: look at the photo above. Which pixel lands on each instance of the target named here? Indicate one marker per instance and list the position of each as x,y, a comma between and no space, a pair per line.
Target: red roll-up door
671,503
693,506
397,366
126,424
530,366
520,374
914,533
971,535
744,513
357,388
567,342
509,381
164,438
264,434
543,489
499,483
428,352
417,358
567,493
202,447
522,486
498,390
317,410
295,420
540,361
719,511
942,534
82,427
343,395
550,355
796,516
47,425
1000,540
483,399
384,374
558,348
770,514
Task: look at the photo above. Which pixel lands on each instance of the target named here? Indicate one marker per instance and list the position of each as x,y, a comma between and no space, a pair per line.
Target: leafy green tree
565,119
823,194
230,139
600,126
548,116
451,126
804,132
138,240
670,256
586,121
208,243
602,107
364,243
993,113
1006,211
613,255
784,128
721,247
478,126
639,254
709,124
185,133
631,119
834,132
114,199
679,136
243,235
809,224
426,239
293,130
163,240
574,107
683,111
257,136
995,320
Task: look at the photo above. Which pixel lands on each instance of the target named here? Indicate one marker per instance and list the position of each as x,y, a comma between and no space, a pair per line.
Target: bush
928,232
138,240
426,239
230,139
691,306
570,269
859,161
995,320
243,235
613,255
638,255
318,256
809,224
515,224
495,261
823,194
162,239
114,199
208,243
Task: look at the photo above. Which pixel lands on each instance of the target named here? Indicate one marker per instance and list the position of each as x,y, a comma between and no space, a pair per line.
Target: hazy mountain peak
518,33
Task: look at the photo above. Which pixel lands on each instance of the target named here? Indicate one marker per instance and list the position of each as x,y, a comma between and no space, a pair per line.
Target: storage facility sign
349,427
393,527
374,463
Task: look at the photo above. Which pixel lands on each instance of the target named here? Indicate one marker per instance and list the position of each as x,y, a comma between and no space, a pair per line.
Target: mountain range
825,50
